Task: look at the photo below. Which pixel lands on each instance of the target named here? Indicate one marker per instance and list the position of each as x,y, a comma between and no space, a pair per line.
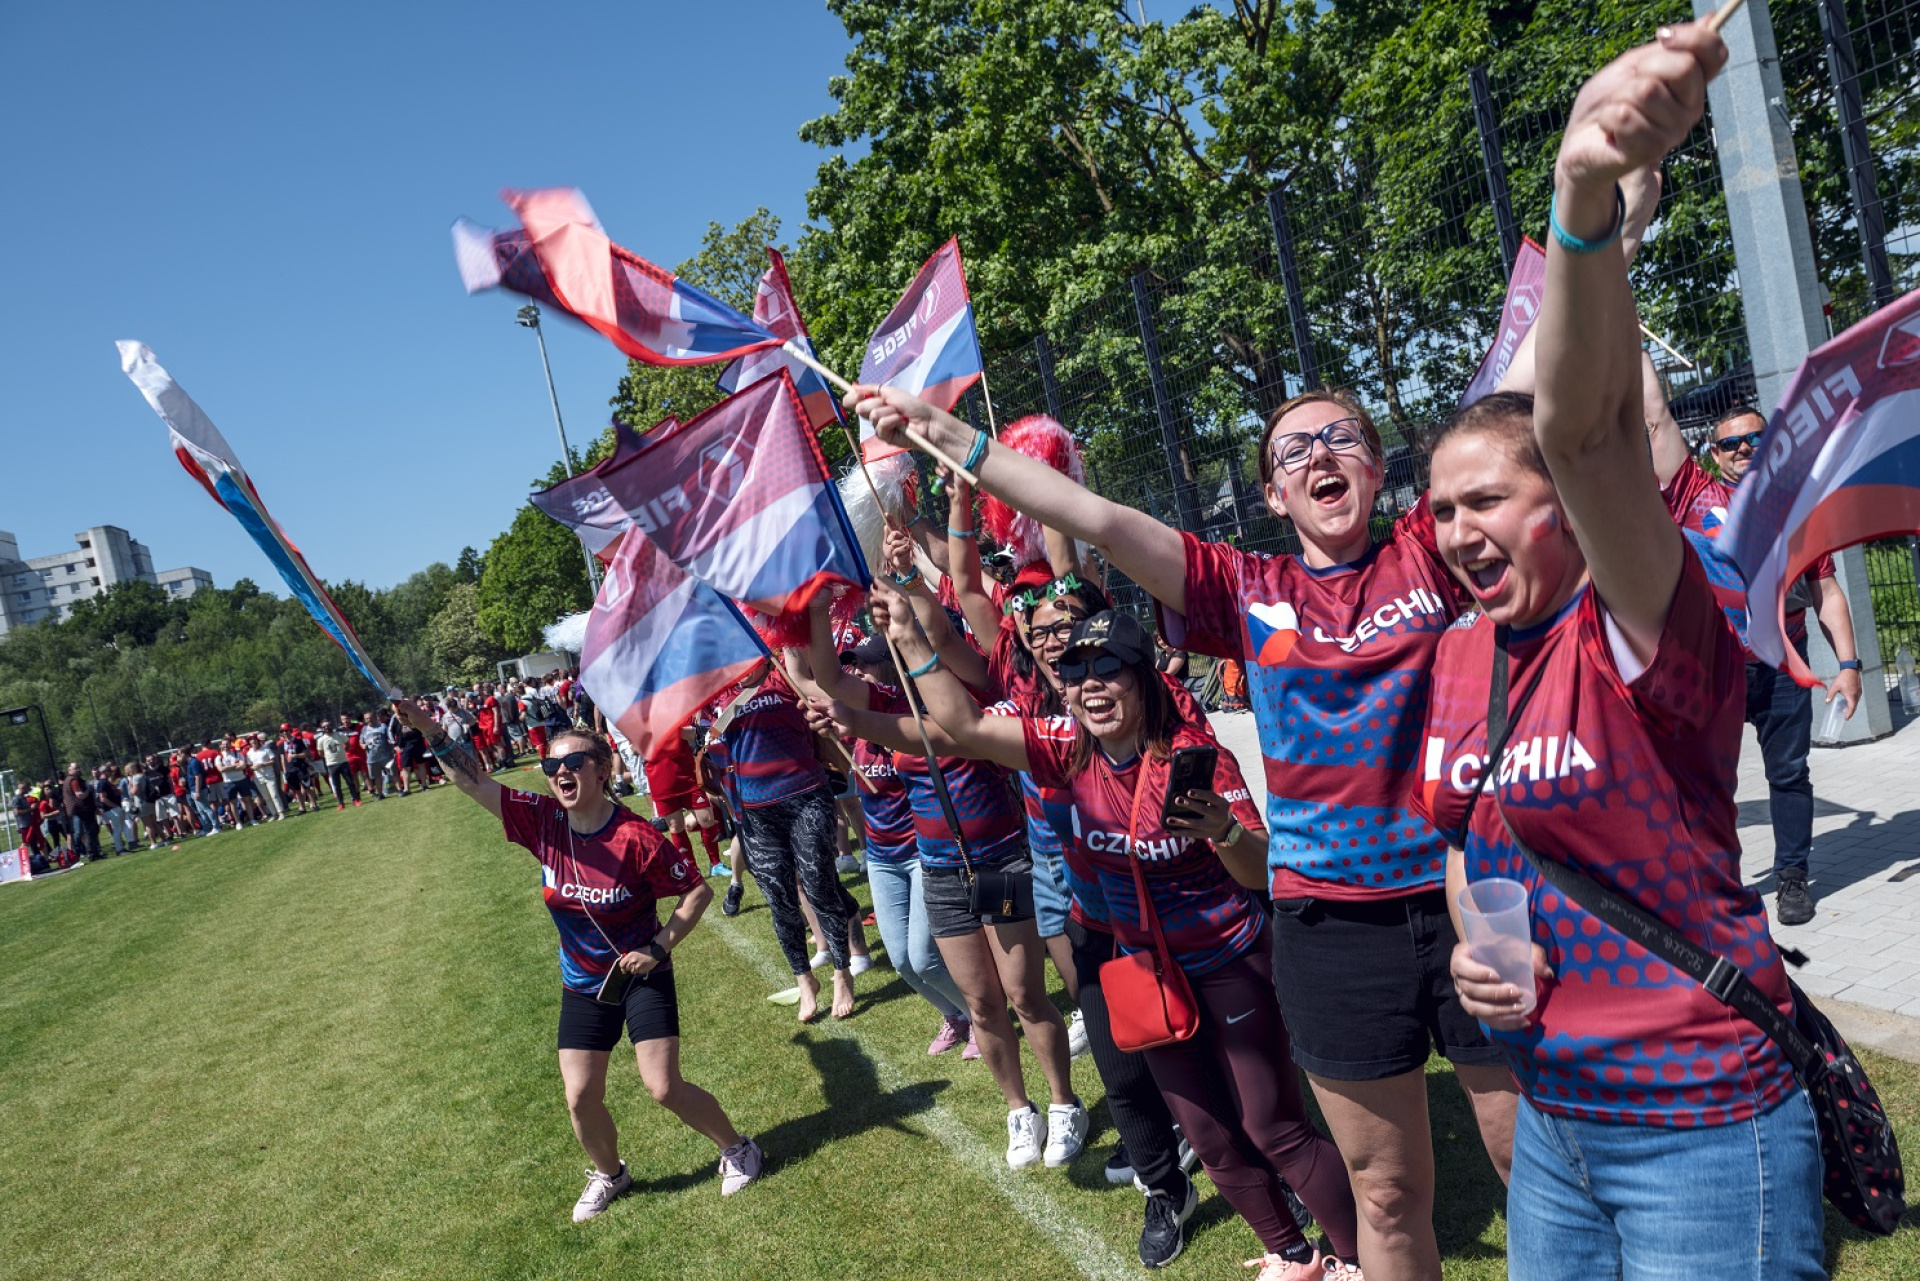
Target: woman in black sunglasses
1232,1087
603,871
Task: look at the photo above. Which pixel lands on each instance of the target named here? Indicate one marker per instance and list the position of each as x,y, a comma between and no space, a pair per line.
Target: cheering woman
603,871
1195,866
1337,642
1658,1130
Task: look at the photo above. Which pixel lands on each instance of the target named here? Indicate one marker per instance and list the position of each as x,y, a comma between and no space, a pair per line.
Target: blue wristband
1574,244
1849,664
924,668
979,448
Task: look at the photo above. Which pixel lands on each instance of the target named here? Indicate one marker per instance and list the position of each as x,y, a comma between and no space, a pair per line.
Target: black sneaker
731,903
1793,904
1164,1234
1120,1165
1302,1219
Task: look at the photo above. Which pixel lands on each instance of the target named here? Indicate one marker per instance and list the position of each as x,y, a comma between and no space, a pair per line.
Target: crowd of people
236,781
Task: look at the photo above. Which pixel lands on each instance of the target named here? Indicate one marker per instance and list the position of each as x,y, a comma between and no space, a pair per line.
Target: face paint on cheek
1543,525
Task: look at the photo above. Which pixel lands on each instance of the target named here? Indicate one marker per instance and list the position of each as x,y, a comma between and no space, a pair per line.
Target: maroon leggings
1259,1125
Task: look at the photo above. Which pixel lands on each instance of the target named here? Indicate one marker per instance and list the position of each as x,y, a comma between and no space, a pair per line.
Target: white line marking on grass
1079,1245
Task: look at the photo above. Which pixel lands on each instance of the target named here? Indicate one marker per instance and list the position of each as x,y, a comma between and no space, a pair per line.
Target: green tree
460,649
467,568
534,575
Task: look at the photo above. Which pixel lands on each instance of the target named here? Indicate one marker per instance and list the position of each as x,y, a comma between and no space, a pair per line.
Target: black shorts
651,1012
241,789
944,890
1366,990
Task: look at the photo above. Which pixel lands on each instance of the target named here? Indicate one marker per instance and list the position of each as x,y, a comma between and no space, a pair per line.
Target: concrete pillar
1780,292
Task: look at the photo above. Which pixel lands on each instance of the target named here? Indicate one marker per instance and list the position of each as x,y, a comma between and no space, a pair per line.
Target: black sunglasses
550,765
1074,670
1728,444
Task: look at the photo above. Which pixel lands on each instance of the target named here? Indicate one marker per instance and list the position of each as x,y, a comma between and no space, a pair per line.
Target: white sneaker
1066,1134
602,1190
859,965
819,959
740,1165
1077,1035
1026,1136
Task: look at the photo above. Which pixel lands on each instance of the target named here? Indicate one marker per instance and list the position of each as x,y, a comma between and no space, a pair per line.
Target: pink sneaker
973,1045
1277,1267
952,1032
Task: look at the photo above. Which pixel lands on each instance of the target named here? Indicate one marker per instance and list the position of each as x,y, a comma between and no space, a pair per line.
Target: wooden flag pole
1666,346
921,442
986,394
1724,12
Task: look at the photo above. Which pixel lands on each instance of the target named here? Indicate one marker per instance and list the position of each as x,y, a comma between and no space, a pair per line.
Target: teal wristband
924,668
1574,244
979,448
905,580
960,533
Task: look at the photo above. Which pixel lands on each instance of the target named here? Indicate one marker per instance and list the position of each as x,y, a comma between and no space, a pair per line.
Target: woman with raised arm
992,952
1336,641
1659,1133
603,871
1231,1087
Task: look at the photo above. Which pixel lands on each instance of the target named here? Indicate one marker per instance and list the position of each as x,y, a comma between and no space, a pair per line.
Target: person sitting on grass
603,871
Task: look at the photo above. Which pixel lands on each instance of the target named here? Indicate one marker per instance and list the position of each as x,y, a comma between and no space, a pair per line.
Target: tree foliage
533,574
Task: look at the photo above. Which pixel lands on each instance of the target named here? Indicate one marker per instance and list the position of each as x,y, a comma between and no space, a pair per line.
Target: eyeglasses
1728,444
1038,635
1030,598
1074,670
572,761
1294,450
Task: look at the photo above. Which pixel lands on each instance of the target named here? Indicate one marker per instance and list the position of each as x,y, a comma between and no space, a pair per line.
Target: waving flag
739,498
491,259
1839,464
660,645
204,452
927,344
582,502
1517,314
644,310
774,308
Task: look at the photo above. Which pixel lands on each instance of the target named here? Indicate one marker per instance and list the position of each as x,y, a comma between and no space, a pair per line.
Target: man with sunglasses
1780,712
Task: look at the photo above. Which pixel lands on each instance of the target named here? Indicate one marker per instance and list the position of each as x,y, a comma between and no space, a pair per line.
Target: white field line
1024,1189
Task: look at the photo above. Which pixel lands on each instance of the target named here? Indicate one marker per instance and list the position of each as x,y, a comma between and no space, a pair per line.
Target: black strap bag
1863,1176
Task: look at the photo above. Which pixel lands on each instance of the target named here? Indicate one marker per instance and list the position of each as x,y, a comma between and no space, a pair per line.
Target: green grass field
324,1048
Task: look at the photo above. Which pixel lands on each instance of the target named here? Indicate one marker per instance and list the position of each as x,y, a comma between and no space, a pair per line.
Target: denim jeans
899,909
208,820
1591,1200
1781,713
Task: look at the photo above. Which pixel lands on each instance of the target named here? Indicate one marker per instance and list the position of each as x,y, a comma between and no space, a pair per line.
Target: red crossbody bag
1148,1001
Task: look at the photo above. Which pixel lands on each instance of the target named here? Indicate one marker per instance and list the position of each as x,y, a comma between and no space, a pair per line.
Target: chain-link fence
1381,266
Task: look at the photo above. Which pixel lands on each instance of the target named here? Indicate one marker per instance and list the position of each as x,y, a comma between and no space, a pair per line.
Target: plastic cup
1499,934
1833,722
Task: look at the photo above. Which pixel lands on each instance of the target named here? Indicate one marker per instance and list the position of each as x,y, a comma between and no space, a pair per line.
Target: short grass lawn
324,1048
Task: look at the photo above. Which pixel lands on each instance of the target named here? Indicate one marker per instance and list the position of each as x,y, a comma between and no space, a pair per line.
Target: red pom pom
1042,439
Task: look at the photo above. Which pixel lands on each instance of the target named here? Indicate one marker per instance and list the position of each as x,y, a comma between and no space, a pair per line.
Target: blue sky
262,193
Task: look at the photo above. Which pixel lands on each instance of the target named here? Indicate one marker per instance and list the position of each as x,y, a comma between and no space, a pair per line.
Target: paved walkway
1864,941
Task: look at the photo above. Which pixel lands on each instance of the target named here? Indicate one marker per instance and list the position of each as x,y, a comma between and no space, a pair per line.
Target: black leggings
1133,1100
796,835
343,771
1256,1127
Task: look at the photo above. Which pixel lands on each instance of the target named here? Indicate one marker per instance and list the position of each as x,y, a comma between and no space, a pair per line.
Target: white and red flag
1517,312
774,308
927,345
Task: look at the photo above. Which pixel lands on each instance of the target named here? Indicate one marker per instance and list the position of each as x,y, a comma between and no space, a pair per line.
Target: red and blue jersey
601,887
771,746
886,812
1050,832
990,818
1208,917
1336,662
1627,776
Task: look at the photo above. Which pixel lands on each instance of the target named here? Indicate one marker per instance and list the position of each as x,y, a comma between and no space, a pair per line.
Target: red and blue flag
583,504
927,345
740,498
645,310
1839,464
775,310
209,459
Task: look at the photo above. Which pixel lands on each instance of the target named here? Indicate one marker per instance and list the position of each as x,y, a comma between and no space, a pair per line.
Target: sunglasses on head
1030,598
1727,444
551,765
1074,670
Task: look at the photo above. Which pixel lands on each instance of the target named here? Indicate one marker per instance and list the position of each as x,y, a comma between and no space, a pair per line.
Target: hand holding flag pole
913,434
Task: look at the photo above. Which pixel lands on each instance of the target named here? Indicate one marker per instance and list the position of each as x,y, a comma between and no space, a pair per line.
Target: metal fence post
1183,498
1296,300
1486,123
1856,149
1780,287
1043,358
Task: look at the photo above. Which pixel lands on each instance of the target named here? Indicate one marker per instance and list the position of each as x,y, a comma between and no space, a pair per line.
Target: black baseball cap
869,651
1119,634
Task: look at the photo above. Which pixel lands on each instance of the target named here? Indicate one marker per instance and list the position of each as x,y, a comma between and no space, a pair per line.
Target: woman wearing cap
1113,757
1337,641
1658,1131
604,870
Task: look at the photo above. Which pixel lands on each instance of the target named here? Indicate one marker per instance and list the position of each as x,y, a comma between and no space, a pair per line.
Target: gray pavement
1863,943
